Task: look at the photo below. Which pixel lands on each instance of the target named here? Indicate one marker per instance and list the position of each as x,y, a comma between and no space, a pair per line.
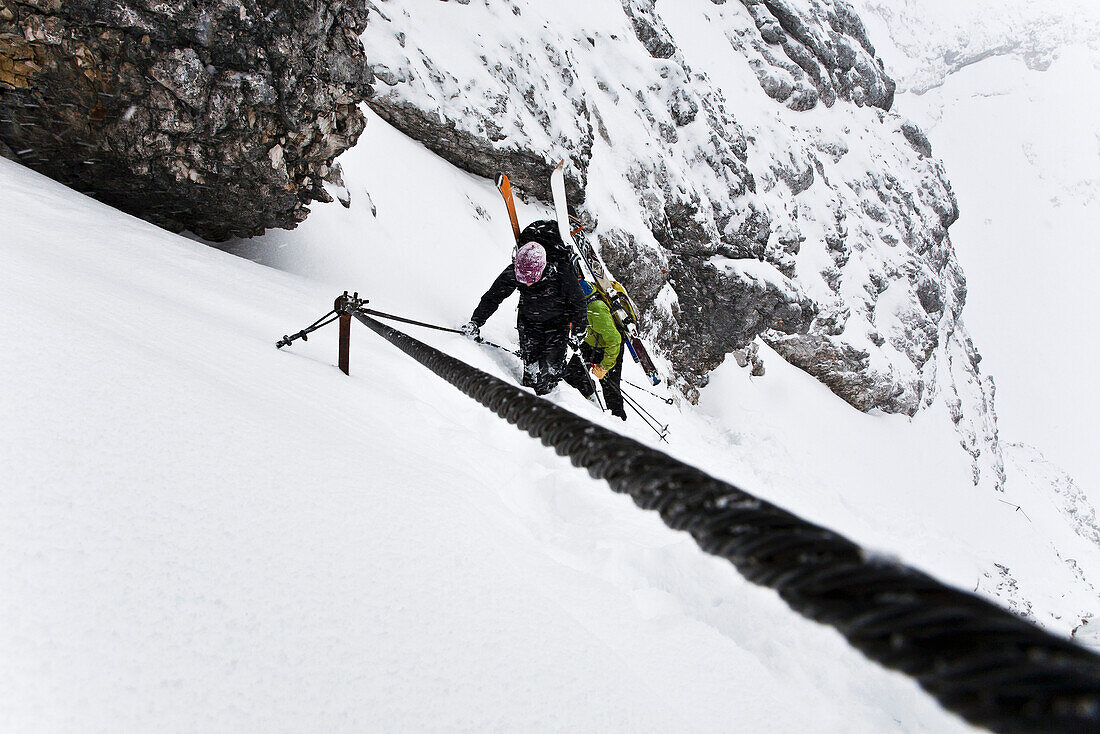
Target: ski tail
638,351
557,188
505,187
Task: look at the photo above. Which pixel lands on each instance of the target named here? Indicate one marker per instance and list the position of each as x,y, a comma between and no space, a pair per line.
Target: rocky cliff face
739,166
218,116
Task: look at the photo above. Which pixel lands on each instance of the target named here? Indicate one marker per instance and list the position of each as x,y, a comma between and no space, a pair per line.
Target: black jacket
557,296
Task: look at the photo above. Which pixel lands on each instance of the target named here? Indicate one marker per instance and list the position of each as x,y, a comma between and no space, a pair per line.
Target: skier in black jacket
552,309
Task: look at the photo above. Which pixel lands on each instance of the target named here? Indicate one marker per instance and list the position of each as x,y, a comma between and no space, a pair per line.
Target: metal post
345,342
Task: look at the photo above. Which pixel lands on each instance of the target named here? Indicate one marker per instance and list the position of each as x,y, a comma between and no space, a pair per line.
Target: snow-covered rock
829,55
1002,89
927,41
1065,495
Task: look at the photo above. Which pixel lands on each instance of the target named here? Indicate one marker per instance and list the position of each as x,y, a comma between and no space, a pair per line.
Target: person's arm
576,308
501,288
603,332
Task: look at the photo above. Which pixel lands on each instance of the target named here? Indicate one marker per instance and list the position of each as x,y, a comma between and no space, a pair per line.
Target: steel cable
992,668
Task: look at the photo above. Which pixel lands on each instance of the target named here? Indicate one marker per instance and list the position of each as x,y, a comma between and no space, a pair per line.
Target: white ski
598,271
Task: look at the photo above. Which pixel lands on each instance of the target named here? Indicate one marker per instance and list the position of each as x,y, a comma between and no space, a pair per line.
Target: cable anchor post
344,306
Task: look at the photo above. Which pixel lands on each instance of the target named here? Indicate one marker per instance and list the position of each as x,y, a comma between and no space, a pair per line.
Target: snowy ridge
926,41
1066,496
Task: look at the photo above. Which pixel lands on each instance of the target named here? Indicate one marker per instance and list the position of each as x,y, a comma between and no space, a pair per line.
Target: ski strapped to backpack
505,188
622,310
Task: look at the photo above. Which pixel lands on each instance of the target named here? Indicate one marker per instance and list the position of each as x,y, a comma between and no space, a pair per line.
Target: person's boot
530,375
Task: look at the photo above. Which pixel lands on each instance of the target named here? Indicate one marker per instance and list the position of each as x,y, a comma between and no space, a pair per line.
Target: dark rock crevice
528,171
724,309
218,117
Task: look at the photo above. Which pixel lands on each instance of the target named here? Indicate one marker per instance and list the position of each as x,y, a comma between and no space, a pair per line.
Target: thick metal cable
978,660
405,320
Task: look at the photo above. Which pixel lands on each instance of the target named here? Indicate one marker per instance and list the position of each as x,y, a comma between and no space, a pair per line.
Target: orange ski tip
505,187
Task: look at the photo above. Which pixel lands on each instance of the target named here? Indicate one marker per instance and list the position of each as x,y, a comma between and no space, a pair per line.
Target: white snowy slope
198,531
201,532
432,239
1006,93
924,42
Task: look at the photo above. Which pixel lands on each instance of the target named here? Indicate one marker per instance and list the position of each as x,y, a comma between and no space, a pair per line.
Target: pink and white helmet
530,263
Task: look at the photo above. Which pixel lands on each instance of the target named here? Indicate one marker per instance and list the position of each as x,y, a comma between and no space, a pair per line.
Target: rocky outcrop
734,301
847,371
828,56
475,153
222,117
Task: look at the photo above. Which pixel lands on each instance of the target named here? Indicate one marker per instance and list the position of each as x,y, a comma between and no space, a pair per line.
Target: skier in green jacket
602,348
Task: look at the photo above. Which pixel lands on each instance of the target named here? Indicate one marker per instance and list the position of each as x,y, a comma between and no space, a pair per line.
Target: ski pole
661,431
592,384
573,351
642,408
669,401
304,333
642,412
662,435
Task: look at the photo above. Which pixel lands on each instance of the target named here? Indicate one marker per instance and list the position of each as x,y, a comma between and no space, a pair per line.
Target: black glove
472,330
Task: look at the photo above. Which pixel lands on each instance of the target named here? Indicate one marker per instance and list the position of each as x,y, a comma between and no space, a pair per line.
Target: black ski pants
611,384
542,347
